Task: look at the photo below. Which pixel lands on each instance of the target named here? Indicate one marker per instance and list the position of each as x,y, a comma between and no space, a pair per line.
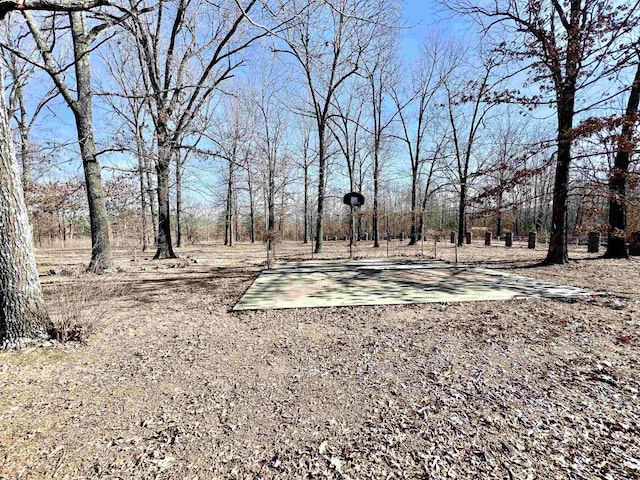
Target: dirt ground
172,384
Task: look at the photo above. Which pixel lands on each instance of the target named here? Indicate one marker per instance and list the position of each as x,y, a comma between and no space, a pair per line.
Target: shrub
78,307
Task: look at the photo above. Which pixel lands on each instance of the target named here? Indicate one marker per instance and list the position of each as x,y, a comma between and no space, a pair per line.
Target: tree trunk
616,246
153,199
252,215
414,204
282,215
558,248
178,200
423,208
236,217
271,204
100,248
228,226
376,186
23,127
499,217
462,224
321,188
306,201
143,193
165,247
23,317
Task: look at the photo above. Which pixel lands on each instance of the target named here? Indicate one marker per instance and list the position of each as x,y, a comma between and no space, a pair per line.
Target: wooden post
487,239
453,237
532,240
634,244
467,237
456,248
594,242
508,239
268,256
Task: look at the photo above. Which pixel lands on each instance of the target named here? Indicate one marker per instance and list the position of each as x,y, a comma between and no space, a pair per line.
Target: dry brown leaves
176,386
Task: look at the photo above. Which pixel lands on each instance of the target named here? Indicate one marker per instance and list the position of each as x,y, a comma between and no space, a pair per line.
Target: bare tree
80,104
21,72
328,41
249,167
468,105
230,143
346,125
23,316
430,169
128,101
417,112
306,159
616,246
270,145
183,65
564,46
381,73
182,159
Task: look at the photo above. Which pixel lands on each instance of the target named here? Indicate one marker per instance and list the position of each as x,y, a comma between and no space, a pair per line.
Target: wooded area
159,124
192,287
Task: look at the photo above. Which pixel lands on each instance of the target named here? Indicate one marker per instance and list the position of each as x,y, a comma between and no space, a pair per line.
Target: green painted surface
379,282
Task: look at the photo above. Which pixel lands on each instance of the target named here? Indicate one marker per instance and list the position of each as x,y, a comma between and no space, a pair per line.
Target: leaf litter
175,386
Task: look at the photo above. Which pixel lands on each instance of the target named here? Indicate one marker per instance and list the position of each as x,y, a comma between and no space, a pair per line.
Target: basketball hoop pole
353,228
353,199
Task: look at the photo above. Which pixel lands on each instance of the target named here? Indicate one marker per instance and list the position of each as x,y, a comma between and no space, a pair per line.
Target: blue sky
425,16
420,17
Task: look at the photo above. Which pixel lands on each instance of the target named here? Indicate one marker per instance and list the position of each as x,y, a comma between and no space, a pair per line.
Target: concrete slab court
339,283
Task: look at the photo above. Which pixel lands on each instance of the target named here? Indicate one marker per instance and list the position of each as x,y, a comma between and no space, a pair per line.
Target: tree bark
50,5
499,215
24,128
252,208
558,247
143,187
616,243
271,202
236,217
83,113
165,246
414,204
23,317
376,188
153,199
462,219
306,201
178,200
321,188
228,225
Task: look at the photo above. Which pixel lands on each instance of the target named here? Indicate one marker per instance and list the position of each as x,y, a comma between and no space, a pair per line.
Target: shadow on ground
330,284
